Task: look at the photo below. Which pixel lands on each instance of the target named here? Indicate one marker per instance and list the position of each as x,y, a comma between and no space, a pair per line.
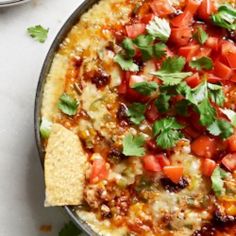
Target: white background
21,58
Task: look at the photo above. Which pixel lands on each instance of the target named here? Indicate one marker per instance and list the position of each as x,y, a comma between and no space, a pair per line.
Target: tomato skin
232,143
222,71
231,58
147,18
213,79
204,52
206,9
99,171
204,146
161,8
233,78
193,81
189,51
208,167
227,47
213,43
229,161
181,36
152,113
174,173
163,160
135,30
150,163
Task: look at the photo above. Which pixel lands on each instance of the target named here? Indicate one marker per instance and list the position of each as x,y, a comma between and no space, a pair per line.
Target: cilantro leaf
159,28
45,128
217,178
225,17
128,46
170,72
67,104
216,94
70,229
201,36
162,102
147,52
133,145
143,40
136,112
168,139
202,63
159,50
167,132
230,114
126,64
221,128
39,33
145,88
207,112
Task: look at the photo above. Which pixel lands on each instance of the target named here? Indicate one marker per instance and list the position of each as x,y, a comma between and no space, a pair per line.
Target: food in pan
139,118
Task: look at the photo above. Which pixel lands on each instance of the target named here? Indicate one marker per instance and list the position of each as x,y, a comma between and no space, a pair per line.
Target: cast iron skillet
74,18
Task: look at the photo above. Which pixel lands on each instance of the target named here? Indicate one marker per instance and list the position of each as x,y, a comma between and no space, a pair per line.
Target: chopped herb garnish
162,102
230,114
45,128
207,112
159,50
38,32
143,40
128,46
68,105
170,72
200,35
216,94
159,28
133,145
221,128
136,112
217,178
145,88
203,63
225,17
167,132
126,64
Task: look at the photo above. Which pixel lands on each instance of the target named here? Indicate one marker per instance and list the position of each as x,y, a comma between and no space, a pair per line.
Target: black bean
173,187
100,79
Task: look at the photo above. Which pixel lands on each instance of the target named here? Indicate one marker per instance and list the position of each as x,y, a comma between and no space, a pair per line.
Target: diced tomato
229,161
206,8
208,167
233,78
174,173
191,132
186,17
189,51
231,58
135,30
161,7
194,80
147,18
151,163
213,43
182,20
163,160
222,71
135,79
204,146
152,113
227,47
151,144
213,79
232,143
181,36
204,52
99,171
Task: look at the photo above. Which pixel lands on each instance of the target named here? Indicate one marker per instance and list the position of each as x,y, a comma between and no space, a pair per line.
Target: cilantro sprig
200,35
217,178
170,72
126,64
167,132
136,112
67,104
145,87
159,28
225,17
38,32
133,145
203,63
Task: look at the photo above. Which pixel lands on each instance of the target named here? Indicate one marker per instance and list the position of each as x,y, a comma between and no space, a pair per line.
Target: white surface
21,58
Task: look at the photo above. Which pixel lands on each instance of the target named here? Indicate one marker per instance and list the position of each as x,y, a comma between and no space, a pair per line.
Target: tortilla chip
65,166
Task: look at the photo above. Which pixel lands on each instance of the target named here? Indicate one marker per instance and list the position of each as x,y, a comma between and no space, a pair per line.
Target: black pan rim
65,29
